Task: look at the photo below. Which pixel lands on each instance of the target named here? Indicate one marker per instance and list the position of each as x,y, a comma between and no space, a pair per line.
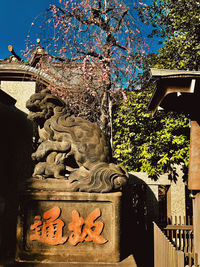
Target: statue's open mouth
35,115
34,108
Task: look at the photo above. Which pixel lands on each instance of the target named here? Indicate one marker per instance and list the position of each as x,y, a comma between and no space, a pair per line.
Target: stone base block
55,226
128,262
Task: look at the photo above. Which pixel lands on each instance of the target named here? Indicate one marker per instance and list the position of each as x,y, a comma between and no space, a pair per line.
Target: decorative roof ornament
37,54
14,57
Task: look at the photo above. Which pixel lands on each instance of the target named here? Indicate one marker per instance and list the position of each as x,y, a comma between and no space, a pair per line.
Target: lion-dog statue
72,148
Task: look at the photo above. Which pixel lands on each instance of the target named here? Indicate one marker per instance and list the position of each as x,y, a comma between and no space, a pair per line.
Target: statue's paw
33,156
37,156
58,176
39,176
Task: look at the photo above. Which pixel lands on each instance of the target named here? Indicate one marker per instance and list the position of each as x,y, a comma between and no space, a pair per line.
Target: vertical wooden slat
190,259
171,255
168,233
163,246
176,239
186,241
181,240
180,256
175,262
189,241
168,252
171,235
196,260
174,257
155,246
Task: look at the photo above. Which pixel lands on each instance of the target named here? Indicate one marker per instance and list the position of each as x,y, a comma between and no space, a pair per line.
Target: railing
180,232
166,255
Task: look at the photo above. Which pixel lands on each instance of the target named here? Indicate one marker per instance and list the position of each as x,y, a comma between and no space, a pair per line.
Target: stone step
128,262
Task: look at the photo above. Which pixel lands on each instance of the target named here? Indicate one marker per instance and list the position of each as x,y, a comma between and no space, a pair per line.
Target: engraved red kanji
88,230
50,229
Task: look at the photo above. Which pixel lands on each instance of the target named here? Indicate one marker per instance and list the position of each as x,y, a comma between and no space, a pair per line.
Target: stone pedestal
58,226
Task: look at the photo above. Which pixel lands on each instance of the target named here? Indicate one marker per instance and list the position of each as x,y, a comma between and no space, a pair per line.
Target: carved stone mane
72,148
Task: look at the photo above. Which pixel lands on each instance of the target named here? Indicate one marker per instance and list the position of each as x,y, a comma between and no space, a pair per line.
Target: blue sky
15,22
16,17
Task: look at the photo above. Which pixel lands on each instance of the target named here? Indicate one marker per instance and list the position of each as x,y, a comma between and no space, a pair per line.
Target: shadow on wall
15,166
139,210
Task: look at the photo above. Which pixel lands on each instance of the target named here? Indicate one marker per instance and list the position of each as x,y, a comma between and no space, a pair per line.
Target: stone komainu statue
72,148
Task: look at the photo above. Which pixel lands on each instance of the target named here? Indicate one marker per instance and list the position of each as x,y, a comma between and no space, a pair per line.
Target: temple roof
172,86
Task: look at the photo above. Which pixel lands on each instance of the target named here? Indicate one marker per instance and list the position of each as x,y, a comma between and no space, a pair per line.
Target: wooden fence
180,232
166,255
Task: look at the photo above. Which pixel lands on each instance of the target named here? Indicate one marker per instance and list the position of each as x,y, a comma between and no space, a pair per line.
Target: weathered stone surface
128,262
69,226
72,148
